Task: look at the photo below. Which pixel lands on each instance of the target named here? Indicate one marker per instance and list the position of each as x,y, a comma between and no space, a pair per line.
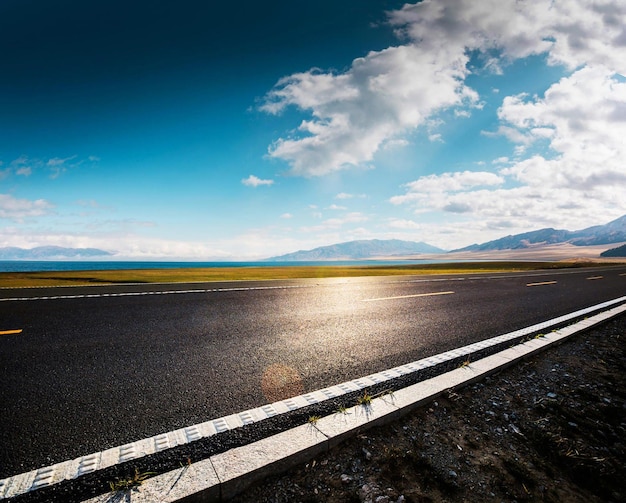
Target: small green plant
130,482
314,419
342,409
365,399
539,336
465,364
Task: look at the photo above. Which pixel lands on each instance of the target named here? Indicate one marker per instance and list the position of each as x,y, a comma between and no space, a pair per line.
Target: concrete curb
209,470
223,476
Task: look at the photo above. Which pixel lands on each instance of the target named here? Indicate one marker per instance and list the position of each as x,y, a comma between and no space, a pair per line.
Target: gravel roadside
550,429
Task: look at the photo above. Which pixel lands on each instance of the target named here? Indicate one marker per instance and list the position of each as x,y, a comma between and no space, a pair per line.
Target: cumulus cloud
584,118
254,181
383,95
16,209
428,189
388,93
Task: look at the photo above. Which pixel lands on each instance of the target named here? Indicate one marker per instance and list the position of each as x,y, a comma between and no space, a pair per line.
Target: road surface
84,369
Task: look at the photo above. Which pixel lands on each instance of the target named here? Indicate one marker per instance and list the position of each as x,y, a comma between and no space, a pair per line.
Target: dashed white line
591,278
156,292
408,296
542,283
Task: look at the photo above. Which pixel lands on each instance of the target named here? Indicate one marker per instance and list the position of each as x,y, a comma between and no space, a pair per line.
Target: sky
191,130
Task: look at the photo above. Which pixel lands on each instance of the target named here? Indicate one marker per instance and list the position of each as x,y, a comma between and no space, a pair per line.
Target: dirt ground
552,429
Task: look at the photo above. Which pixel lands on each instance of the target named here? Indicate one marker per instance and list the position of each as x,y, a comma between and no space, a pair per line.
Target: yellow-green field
65,278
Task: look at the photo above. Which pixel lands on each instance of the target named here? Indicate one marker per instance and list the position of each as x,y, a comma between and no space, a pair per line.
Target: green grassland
183,275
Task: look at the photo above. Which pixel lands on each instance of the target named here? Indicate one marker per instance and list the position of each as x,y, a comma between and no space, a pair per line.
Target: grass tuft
130,482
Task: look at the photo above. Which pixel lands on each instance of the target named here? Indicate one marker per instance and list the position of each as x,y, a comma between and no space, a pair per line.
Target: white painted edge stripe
67,470
223,476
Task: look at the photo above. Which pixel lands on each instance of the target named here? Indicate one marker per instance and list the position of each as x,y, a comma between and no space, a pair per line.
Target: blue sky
187,130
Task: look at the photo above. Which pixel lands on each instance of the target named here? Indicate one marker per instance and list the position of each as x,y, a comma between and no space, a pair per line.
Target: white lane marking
591,278
156,292
542,283
408,296
72,469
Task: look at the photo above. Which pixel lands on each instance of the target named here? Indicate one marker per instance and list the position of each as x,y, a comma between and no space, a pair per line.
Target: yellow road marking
409,296
9,332
542,283
595,277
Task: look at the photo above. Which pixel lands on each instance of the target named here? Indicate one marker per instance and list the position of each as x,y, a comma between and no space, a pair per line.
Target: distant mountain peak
610,233
50,253
361,249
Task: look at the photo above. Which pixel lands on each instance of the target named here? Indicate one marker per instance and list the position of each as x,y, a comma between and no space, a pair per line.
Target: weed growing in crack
130,482
342,409
365,399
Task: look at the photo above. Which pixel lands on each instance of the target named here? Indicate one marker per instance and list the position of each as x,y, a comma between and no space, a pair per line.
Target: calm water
51,265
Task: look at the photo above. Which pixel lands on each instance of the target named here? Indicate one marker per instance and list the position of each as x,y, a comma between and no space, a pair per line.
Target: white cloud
57,161
254,181
56,166
336,223
431,187
286,215
389,93
583,117
394,143
403,224
336,207
345,195
382,96
435,137
18,209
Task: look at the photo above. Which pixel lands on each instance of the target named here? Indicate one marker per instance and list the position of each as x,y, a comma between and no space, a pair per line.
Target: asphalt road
84,369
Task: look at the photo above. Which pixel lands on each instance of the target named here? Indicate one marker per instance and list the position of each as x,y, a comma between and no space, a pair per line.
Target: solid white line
542,283
408,296
25,482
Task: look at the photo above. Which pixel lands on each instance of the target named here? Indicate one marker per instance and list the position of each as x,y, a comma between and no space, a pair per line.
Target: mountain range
358,250
50,253
611,233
